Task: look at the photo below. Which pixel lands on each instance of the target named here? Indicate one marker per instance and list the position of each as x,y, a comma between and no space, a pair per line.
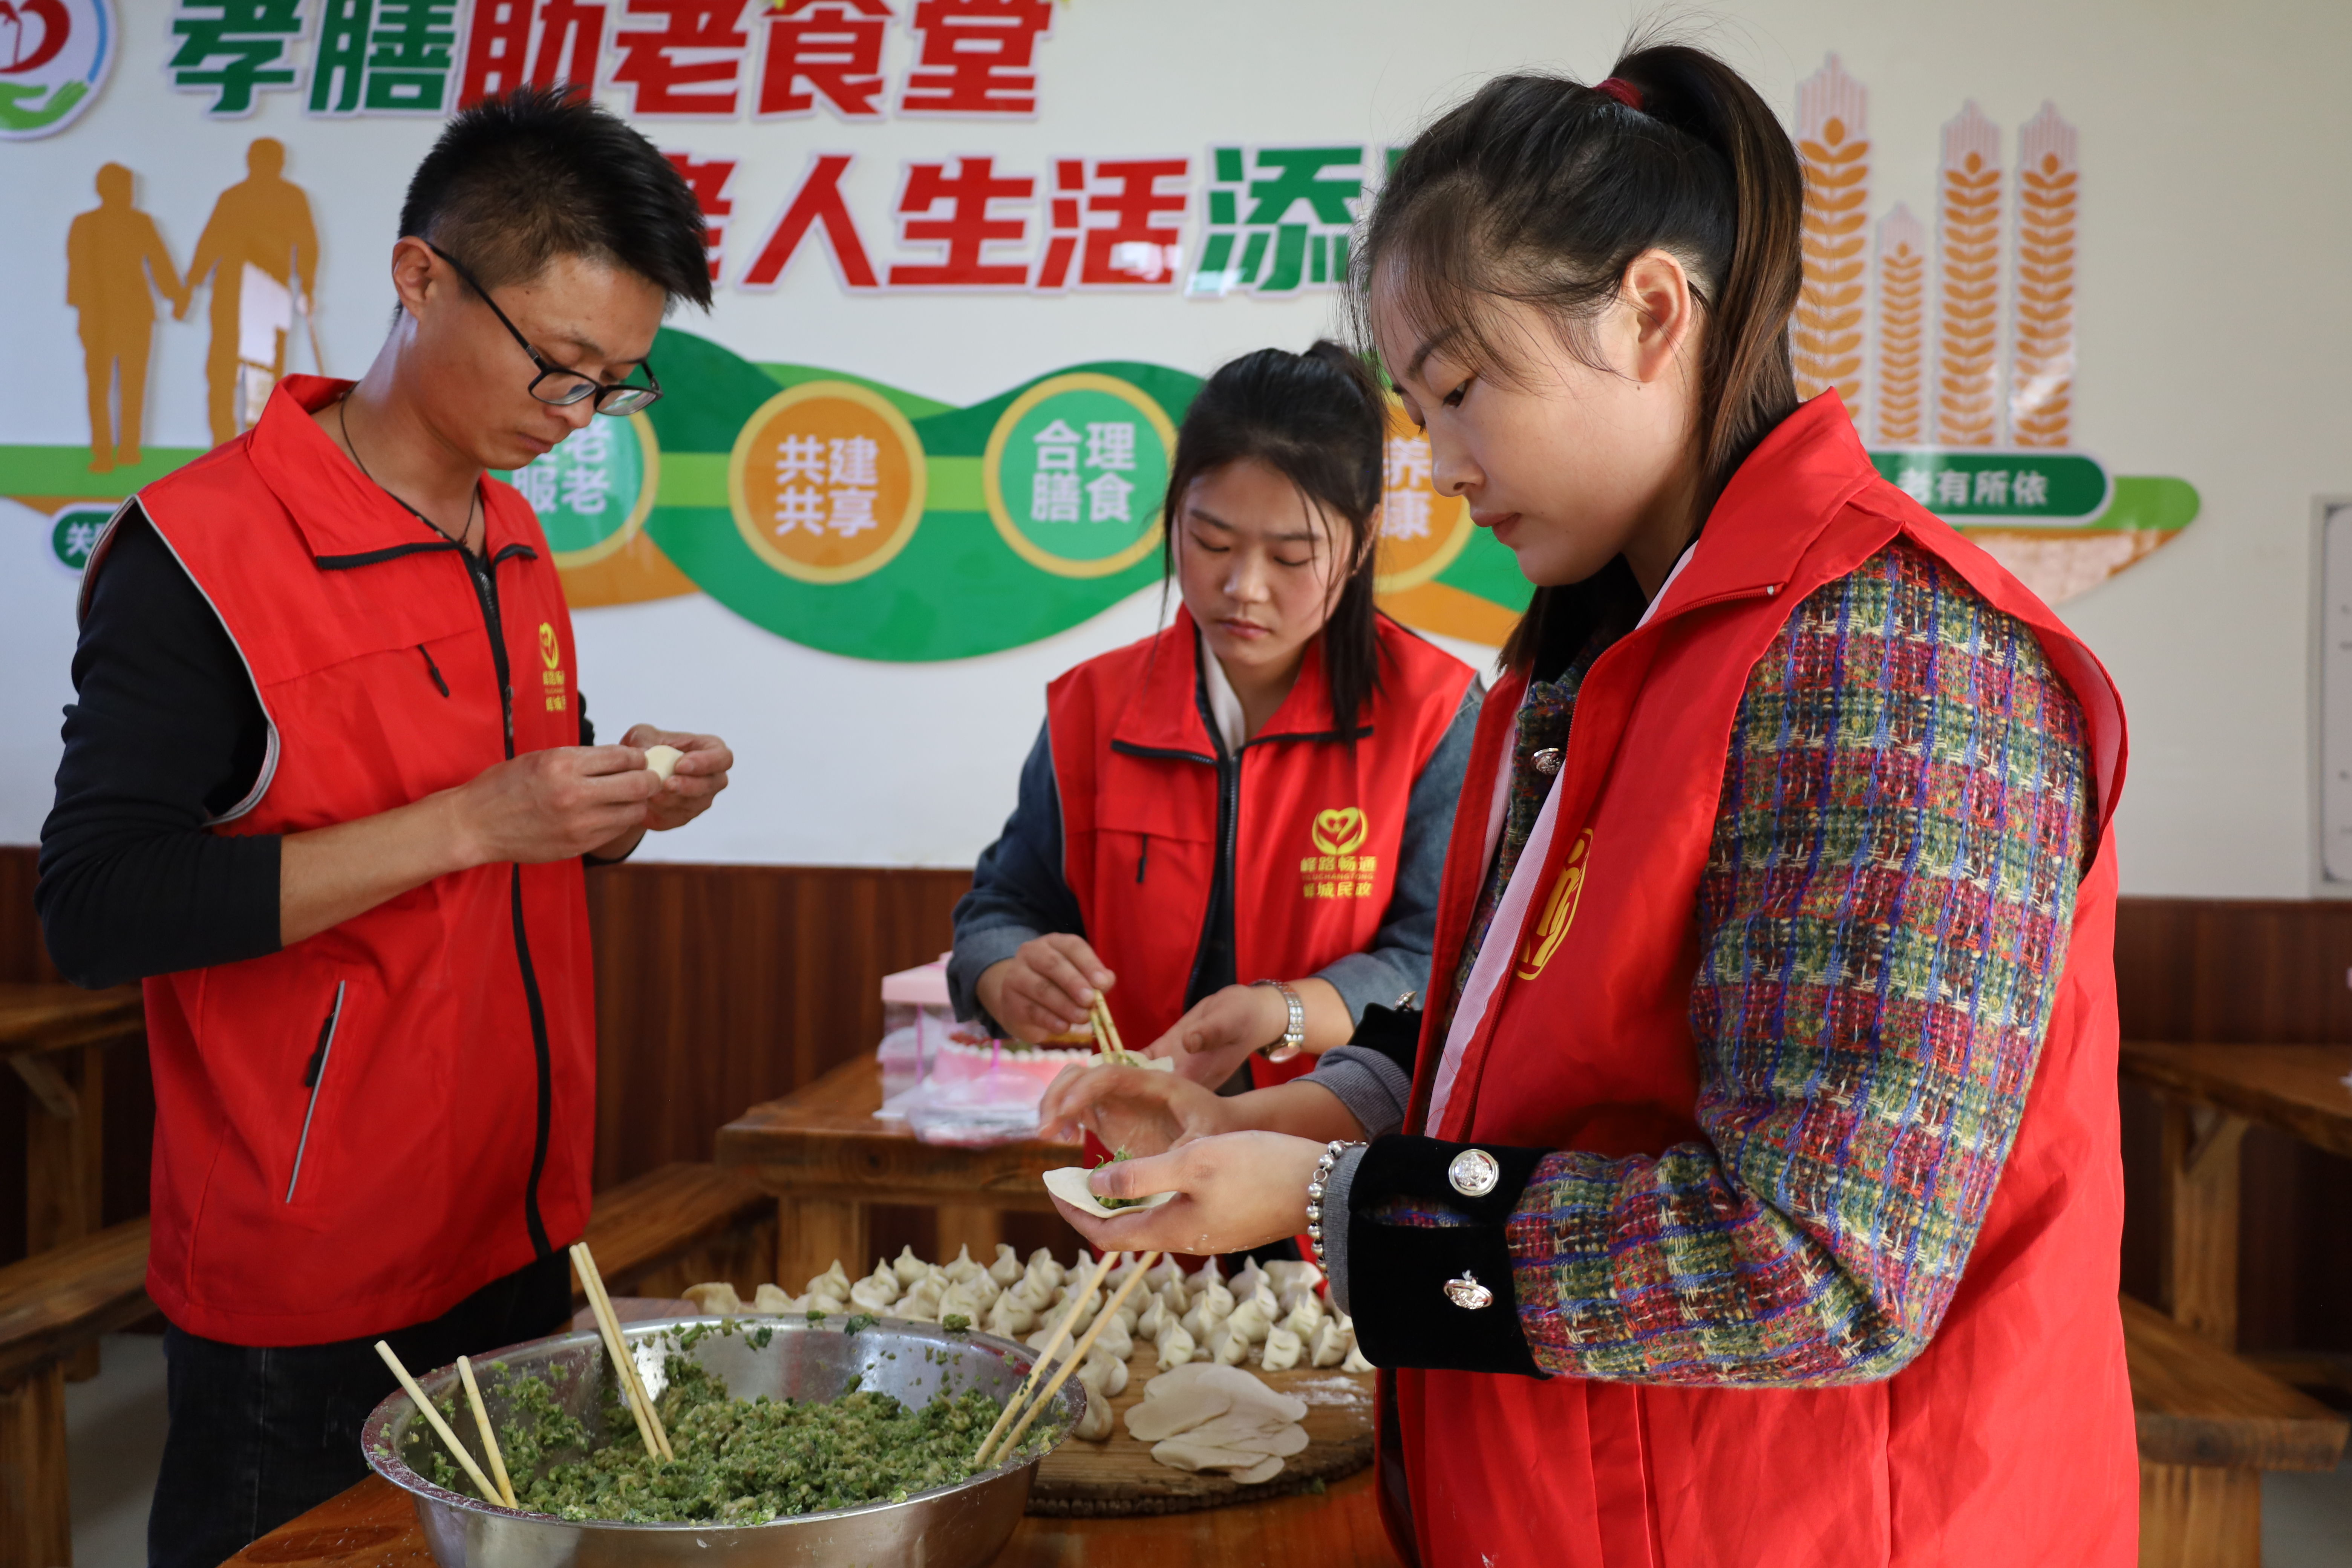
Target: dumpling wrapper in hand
716,1299
663,759
1069,1185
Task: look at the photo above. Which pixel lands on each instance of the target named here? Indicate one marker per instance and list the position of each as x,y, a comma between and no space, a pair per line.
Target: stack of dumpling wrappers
1202,1412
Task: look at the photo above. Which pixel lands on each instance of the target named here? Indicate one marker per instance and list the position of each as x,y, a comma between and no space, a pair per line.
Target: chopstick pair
625,1365
1077,1357
503,1491
1107,1038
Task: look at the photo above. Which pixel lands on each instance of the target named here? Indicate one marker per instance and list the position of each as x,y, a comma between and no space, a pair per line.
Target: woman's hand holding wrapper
1236,1188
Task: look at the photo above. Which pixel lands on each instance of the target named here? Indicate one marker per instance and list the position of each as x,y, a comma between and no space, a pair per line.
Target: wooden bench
54,1305
2210,1424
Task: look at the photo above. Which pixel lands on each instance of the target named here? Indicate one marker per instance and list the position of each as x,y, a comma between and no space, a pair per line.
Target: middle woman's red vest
1317,824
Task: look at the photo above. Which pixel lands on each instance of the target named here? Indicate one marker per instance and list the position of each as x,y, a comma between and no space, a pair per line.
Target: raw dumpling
1282,1348
1155,1318
1331,1343
1176,1296
1007,1267
1304,1318
876,1291
1164,1273
1034,1292
963,1267
1175,1347
970,1298
1041,1262
1095,1426
662,760
1250,1317
1115,1338
771,1299
1008,1318
1355,1361
1200,1322
1246,1283
1283,1275
1228,1346
1204,1275
908,1268
715,1300
833,1282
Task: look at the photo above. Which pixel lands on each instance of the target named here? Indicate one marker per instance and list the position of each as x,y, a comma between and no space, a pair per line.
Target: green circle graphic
74,532
1082,475
586,490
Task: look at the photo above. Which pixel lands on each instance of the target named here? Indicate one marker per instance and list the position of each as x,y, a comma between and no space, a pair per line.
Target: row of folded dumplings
1271,1315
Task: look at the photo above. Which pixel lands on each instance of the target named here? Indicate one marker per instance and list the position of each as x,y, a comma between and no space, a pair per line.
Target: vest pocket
314,1079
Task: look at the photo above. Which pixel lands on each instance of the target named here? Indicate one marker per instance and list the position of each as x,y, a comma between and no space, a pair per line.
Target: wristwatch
1294,1030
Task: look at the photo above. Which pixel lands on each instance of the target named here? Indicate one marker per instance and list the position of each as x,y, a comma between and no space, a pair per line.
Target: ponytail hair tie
1623,91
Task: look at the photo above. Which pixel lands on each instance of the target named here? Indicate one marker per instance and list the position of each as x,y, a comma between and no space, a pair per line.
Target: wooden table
2211,1094
826,1159
54,1036
373,1525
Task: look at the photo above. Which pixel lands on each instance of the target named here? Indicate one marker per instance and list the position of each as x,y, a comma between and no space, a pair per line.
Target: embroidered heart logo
1340,830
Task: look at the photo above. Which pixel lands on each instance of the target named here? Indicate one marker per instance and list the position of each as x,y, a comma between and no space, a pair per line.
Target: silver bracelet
1315,1186
1294,1028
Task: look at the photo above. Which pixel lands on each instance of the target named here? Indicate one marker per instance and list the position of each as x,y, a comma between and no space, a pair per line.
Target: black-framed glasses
554,385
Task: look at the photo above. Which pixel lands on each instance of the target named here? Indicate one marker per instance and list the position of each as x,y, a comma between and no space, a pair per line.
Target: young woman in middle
1238,823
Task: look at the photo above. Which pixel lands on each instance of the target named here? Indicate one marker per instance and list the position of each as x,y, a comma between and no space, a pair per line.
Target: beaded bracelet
1331,1152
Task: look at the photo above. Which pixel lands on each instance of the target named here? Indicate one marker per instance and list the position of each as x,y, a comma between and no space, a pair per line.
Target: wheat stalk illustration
1832,138
1967,303
1902,316
2041,374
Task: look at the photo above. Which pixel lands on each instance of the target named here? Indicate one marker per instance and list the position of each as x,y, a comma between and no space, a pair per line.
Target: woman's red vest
359,1131
1317,824
2009,1438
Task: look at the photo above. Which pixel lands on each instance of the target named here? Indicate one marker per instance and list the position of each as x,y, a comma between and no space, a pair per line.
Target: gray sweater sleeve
1398,960
1017,890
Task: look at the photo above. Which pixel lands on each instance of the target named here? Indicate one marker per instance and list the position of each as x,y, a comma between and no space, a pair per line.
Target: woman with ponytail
1238,823
1754,1195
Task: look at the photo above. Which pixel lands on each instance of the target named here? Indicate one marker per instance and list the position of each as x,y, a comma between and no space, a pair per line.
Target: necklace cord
342,423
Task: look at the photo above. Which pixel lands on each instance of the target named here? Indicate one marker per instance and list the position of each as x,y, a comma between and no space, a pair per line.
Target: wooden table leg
2199,1229
968,1225
35,1507
2193,1516
811,1233
64,1164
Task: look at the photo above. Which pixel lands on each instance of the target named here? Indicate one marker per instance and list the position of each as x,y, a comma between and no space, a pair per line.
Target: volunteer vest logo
1336,870
1913,339
54,57
550,654
1559,911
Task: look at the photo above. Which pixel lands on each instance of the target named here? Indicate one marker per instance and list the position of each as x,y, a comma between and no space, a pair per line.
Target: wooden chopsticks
1053,1342
1078,1352
1106,1032
625,1365
489,1439
441,1428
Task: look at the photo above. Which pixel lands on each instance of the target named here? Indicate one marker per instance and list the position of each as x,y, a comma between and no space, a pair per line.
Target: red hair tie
1623,91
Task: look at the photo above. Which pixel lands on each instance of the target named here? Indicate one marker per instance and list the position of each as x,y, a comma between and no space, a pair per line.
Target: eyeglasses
553,384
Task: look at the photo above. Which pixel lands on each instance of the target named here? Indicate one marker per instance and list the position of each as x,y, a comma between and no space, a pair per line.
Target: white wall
2213,331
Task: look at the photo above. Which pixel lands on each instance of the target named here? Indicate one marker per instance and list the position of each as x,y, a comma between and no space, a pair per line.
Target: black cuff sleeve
1398,1272
1395,1032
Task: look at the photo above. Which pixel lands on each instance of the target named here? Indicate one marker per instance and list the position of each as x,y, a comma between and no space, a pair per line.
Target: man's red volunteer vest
2008,1440
1317,824
358,1132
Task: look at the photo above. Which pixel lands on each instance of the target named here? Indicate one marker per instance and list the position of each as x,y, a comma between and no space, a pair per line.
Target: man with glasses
327,789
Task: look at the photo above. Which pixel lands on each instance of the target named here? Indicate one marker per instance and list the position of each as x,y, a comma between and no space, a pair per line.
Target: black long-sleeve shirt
166,735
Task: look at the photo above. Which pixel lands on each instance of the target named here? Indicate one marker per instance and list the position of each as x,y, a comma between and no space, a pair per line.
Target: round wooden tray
1119,1476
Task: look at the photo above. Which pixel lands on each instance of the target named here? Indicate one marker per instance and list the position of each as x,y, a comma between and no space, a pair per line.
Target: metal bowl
960,1526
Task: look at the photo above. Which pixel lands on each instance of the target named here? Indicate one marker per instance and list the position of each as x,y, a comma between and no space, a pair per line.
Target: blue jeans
259,1435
